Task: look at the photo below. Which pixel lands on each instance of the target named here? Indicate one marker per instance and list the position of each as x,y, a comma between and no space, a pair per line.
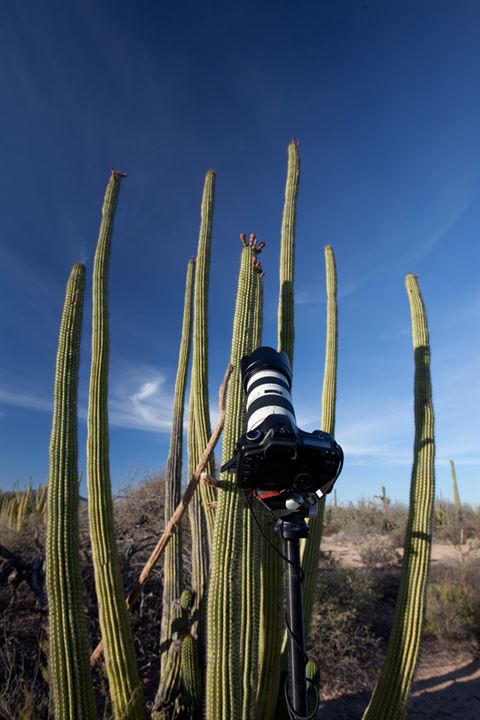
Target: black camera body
274,454
278,456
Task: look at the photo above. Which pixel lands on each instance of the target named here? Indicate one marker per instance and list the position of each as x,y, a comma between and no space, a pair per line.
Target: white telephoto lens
268,393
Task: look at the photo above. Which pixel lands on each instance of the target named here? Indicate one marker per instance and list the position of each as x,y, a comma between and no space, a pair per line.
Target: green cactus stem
272,570
125,687
287,253
201,509
389,699
170,642
234,593
69,669
199,382
271,602
311,547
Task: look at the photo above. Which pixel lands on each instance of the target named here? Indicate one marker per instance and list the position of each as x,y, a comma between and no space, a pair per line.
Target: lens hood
265,358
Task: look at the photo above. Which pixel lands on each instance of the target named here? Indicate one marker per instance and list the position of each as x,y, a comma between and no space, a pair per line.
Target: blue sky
384,100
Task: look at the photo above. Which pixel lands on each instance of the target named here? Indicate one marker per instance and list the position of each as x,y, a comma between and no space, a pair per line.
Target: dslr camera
275,457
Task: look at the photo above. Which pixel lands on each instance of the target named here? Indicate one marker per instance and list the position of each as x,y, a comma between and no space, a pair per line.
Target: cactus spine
311,548
233,598
125,687
170,640
69,668
390,696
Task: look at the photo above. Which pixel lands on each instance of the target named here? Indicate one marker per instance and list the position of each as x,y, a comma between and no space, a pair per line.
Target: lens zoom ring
270,400
269,381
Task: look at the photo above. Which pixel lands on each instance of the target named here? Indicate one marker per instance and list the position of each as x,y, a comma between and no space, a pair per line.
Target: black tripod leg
297,686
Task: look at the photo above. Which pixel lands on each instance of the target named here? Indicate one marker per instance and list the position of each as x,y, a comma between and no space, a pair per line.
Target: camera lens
265,358
267,379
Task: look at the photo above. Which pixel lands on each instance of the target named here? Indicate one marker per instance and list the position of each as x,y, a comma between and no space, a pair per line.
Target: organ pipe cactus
311,547
456,494
23,507
170,640
125,687
69,669
272,571
233,598
287,253
389,699
201,513
199,382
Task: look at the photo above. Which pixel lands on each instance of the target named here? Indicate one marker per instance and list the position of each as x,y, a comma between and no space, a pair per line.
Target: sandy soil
347,553
445,686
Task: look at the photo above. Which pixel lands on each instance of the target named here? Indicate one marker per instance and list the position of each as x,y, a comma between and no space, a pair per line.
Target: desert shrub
453,603
454,526
366,516
378,550
341,639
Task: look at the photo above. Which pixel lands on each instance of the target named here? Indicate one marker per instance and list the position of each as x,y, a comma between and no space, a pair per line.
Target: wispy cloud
24,400
140,398
346,288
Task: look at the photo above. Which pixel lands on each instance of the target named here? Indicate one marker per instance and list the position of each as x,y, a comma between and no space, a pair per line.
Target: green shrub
453,603
342,641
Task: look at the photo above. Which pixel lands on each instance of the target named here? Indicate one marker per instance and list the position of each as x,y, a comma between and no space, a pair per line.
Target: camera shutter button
254,435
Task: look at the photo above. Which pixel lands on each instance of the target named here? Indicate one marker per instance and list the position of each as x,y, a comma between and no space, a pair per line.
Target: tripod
292,528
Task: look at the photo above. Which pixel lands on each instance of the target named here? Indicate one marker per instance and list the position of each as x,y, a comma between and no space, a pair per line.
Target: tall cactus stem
201,512
287,253
125,687
234,593
200,344
69,668
170,640
389,699
311,547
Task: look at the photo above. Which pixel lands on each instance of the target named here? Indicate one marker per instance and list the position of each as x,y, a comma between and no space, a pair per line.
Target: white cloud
24,400
139,398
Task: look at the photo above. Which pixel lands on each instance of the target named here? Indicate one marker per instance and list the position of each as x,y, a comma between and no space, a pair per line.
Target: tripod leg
297,686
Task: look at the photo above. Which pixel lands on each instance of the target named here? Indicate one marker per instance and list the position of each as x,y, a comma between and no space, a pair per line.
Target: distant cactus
170,639
456,494
389,699
384,497
69,669
335,501
234,593
41,499
125,687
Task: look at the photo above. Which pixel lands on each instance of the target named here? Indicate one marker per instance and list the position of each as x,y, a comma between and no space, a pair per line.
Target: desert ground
358,582
447,682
